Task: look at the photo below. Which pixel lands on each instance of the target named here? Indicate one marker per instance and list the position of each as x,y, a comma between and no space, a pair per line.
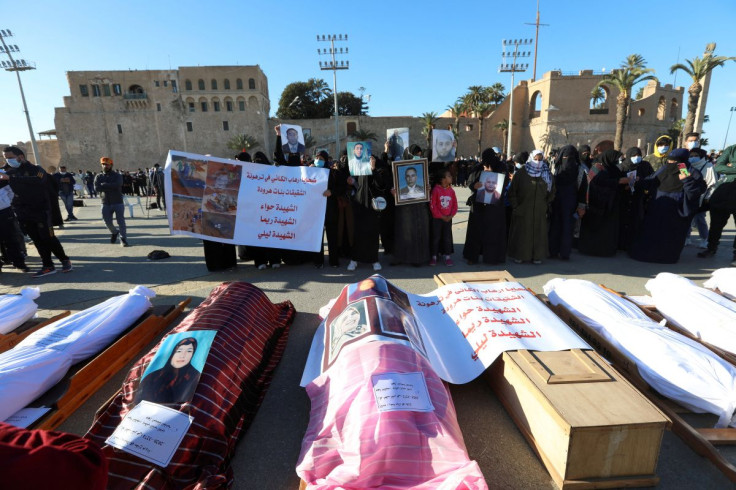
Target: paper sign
406,392
26,416
632,179
151,432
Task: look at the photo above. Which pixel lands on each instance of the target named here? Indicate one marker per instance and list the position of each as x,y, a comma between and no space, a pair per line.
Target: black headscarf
489,159
566,169
521,158
261,158
609,159
584,149
628,165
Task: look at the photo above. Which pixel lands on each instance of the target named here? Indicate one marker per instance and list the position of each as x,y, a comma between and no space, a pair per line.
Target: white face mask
517,165
663,149
636,160
13,162
692,144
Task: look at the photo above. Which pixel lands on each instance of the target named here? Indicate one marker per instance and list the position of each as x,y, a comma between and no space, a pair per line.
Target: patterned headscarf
541,168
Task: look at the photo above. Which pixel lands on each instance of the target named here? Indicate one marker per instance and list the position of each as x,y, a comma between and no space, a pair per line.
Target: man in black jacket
31,205
109,185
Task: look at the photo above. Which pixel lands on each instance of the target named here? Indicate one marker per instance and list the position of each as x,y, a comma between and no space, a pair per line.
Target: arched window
229,104
226,84
200,84
351,127
238,84
641,112
203,106
136,89
661,108
188,85
190,104
216,104
252,83
213,84
535,106
599,100
674,108
241,104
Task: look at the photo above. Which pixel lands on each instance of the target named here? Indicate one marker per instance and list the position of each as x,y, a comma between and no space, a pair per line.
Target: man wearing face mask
699,161
109,185
692,140
31,205
662,148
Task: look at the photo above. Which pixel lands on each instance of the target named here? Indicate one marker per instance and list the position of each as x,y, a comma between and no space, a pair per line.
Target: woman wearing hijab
632,204
531,192
411,231
676,189
176,381
365,239
658,157
263,257
565,204
599,228
336,186
486,231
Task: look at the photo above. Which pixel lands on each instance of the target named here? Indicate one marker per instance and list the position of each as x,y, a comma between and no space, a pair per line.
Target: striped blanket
251,337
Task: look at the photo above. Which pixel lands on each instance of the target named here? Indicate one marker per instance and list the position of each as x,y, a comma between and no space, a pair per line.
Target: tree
479,101
639,94
363,135
457,110
503,126
302,100
698,68
347,105
598,97
632,71
428,120
675,132
242,142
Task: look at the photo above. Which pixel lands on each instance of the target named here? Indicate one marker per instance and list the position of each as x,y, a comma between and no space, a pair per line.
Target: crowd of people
597,202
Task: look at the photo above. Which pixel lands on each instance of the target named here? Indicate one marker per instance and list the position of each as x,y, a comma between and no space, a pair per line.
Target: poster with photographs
491,188
292,139
443,145
359,158
174,371
398,141
411,178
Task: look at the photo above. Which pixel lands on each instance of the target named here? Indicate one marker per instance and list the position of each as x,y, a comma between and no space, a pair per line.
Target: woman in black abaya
411,237
365,238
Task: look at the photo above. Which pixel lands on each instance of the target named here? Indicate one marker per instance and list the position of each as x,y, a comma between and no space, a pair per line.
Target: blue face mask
415,157
319,163
693,160
636,160
13,162
517,165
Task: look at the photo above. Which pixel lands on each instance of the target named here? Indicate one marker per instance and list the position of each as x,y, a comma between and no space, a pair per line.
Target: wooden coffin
590,427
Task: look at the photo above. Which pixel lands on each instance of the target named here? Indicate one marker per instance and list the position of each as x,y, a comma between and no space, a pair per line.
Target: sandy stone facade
137,116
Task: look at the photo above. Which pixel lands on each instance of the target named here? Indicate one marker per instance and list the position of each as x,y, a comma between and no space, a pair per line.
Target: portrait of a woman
176,381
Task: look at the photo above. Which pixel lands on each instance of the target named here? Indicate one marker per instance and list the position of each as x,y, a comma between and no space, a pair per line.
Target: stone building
137,116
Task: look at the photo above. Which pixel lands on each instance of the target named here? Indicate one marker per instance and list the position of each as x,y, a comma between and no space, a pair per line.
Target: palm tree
457,110
496,93
319,89
631,73
697,69
363,135
242,142
428,120
481,102
599,97
503,126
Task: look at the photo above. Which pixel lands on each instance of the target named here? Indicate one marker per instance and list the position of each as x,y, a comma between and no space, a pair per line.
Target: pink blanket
350,444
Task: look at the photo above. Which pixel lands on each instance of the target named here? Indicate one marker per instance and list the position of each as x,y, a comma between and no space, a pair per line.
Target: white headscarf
539,168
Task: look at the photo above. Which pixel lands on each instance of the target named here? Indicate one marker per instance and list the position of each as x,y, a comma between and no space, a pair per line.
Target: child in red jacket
443,206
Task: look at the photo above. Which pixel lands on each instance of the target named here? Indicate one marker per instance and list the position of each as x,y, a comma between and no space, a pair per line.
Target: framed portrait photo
491,188
411,180
359,158
292,139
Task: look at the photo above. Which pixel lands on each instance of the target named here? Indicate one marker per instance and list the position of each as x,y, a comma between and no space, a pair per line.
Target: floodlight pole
513,68
17,68
333,65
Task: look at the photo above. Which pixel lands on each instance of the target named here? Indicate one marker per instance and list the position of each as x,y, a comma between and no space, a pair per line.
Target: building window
166,83
191,107
661,108
252,83
468,127
106,90
187,84
213,83
84,90
229,105
120,129
156,84
238,84
225,126
226,83
117,89
216,106
173,86
95,90
641,112
535,106
241,105
200,84
158,106
204,106
189,127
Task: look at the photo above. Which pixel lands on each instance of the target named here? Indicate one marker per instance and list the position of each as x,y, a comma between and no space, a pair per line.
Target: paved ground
267,455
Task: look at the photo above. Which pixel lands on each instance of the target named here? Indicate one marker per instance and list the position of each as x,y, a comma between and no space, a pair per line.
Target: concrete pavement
267,455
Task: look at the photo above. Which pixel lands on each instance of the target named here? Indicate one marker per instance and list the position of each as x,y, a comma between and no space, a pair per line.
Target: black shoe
124,242
114,237
706,254
68,218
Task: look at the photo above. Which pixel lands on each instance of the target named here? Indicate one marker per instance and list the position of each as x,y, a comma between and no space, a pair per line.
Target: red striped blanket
251,337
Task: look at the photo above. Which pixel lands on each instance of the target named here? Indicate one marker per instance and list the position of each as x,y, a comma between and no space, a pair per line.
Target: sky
411,57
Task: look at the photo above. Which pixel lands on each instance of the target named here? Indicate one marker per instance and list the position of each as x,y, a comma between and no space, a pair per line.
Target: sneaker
46,271
377,266
275,266
66,265
68,218
352,265
114,237
703,243
74,218
262,267
449,262
706,254
433,261
124,242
